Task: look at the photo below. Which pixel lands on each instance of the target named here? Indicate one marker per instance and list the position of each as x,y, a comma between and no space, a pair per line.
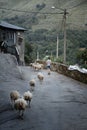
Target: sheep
14,95
37,66
40,76
20,104
34,65
31,64
42,66
28,96
32,82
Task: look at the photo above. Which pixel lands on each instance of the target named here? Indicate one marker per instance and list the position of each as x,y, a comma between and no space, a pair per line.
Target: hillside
41,12
43,23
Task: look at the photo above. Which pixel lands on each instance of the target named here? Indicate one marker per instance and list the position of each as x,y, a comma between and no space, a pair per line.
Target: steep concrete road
59,103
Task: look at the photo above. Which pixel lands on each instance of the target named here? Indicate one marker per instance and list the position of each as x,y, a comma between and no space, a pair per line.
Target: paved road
59,103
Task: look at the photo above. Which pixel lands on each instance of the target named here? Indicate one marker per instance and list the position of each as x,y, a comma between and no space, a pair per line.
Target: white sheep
20,104
37,66
28,96
34,65
40,76
14,95
42,66
32,82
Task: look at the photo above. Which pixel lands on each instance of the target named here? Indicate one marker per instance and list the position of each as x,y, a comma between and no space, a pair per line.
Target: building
12,40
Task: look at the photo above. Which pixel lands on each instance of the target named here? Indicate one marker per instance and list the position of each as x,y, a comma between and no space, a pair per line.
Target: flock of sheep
20,103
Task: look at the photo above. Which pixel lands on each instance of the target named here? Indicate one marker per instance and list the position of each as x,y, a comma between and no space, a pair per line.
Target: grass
77,15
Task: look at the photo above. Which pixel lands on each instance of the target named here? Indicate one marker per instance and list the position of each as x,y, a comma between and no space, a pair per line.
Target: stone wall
63,69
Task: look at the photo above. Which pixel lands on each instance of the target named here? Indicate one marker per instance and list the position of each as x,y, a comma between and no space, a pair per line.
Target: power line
24,11
78,4
74,5
16,10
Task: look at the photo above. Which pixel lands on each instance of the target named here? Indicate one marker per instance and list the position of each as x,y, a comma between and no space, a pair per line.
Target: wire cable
29,11
78,4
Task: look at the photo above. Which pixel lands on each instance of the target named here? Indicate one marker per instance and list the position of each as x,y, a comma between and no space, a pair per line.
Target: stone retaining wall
63,69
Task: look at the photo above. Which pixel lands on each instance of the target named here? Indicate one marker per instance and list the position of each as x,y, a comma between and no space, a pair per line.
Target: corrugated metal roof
11,26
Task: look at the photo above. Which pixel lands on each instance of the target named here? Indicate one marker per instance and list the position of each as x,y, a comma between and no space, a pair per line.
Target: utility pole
37,55
64,60
64,21
57,49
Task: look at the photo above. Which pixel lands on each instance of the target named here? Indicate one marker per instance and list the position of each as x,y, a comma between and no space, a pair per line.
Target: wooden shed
12,40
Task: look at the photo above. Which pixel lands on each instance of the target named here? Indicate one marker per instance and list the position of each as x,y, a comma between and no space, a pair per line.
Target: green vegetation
43,27
46,40
82,57
28,53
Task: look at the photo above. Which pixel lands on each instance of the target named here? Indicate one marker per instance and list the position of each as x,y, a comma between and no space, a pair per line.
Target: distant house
12,40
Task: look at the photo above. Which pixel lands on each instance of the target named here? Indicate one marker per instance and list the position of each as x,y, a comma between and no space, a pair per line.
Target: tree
82,56
28,51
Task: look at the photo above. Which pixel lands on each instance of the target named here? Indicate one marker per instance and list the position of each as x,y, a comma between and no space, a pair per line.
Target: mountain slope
77,14
43,23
